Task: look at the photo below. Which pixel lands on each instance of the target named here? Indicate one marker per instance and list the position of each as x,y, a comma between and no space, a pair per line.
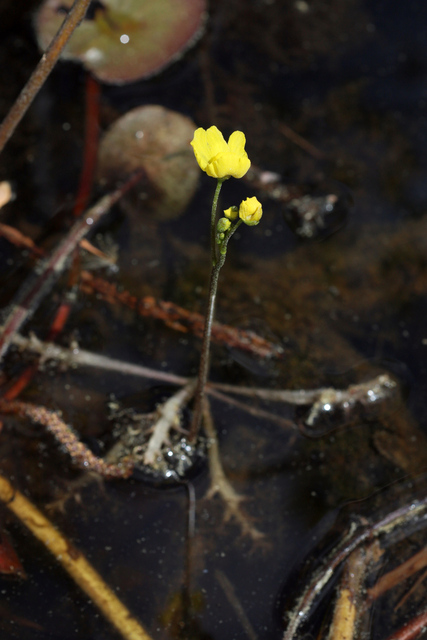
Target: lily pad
156,140
122,41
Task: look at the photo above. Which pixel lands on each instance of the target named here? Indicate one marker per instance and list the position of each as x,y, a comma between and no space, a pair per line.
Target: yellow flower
250,211
218,158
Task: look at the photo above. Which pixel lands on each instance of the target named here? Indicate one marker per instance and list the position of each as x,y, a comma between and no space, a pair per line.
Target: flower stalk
220,160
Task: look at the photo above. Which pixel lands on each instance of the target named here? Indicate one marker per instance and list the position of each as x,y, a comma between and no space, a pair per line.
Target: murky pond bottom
331,98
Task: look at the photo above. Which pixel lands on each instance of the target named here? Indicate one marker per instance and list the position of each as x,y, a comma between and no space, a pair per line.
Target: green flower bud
223,225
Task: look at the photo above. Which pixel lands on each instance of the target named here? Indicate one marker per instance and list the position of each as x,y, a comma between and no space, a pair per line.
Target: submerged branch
39,284
81,455
41,72
180,319
73,562
414,512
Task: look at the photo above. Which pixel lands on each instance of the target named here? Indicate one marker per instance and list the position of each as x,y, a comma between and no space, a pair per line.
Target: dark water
351,79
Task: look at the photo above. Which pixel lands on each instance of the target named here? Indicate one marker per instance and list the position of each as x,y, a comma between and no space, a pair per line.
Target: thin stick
412,629
41,72
348,600
366,392
73,562
39,284
399,574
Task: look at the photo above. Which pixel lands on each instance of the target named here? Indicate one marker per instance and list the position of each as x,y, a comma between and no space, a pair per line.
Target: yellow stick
73,562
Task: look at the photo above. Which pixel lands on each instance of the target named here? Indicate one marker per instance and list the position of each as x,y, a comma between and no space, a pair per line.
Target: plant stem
41,72
213,220
204,357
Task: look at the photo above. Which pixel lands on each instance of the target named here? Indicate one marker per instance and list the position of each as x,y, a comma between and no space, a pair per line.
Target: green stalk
204,357
213,219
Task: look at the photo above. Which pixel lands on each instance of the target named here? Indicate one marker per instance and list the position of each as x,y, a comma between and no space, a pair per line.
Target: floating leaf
156,140
122,41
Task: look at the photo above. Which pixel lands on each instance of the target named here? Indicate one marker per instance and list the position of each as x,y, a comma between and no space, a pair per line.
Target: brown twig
412,629
300,141
81,456
41,72
39,284
73,562
179,318
347,604
397,575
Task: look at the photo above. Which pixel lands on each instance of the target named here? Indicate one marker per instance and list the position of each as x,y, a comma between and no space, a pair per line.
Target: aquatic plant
220,160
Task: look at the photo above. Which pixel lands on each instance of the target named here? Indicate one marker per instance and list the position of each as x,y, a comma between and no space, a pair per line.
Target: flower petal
201,149
236,143
215,141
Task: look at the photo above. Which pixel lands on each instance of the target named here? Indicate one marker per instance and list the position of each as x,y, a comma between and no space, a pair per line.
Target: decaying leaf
156,140
122,41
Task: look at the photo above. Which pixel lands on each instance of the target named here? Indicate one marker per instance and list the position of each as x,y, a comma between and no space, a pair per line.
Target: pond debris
312,212
232,598
156,442
80,454
367,393
57,41
389,529
10,564
221,486
322,401
6,193
349,596
180,319
74,562
156,141
124,42
39,283
397,575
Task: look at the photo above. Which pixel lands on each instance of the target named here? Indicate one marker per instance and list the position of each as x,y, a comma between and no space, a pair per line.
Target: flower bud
232,213
223,225
250,211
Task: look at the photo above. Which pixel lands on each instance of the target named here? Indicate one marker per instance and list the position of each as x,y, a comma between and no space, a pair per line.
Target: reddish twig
90,152
18,239
41,72
397,575
81,456
412,629
295,137
179,318
39,284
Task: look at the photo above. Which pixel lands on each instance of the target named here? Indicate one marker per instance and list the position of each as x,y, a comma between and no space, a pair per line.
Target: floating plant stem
41,72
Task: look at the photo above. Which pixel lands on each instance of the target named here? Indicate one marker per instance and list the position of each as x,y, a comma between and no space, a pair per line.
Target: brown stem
41,72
